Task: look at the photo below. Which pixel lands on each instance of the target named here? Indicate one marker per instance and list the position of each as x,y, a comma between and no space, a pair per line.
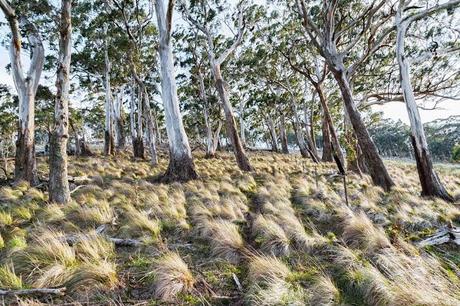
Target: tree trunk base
138,148
179,170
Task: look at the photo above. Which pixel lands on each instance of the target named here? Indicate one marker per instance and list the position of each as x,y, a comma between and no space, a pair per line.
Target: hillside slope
281,235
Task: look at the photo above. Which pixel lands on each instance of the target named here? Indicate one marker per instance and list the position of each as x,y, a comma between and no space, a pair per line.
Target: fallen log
71,240
445,235
43,291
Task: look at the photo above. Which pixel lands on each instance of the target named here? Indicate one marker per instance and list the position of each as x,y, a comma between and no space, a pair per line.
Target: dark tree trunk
241,159
283,135
431,184
327,145
108,143
179,169
138,147
121,140
25,164
84,148
377,168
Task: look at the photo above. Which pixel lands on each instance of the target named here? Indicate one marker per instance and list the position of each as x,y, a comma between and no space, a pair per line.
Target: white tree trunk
26,87
431,185
181,166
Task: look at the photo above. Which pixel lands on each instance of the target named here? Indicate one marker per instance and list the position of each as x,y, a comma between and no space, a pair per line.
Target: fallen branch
448,234
71,240
53,291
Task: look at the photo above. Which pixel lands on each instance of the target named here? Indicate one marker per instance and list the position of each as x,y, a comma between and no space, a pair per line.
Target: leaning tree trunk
26,87
240,154
242,125
327,145
59,191
283,135
181,166
377,168
327,115
299,135
272,131
430,182
310,134
108,131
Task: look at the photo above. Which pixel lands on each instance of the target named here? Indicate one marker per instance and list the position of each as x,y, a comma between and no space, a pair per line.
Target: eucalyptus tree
59,190
333,30
196,89
181,166
133,18
20,20
204,15
8,126
430,182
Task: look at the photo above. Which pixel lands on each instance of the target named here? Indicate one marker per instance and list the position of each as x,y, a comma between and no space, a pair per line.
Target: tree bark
108,135
272,132
26,87
283,135
119,122
181,166
327,115
299,135
327,145
59,190
429,180
242,125
240,154
152,139
377,169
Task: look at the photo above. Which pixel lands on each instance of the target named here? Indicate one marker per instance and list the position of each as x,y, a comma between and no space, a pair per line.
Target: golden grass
171,277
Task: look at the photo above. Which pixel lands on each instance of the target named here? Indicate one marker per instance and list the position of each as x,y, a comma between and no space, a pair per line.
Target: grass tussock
171,277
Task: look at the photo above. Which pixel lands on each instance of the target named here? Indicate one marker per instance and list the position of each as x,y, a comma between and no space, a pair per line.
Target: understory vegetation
280,235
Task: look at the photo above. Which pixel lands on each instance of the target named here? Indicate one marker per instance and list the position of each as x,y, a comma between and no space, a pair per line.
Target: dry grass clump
93,214
226,240
51,213
271,237
140,220
418,280
324,292
171,277
49,261
5,218
360,232
269,286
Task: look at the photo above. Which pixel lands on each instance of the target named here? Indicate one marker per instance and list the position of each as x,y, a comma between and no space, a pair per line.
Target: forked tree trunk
59,191
310,133
299,135
26,87
327,115
377,169
272,131
283,135
181,166
240,154
138,145
108,131
430,182
327,145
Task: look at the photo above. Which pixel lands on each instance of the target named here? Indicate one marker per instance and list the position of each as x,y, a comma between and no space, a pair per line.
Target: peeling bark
26,87
429,180
59,191
181,166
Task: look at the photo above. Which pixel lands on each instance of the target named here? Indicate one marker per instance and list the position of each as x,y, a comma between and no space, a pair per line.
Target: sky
395,111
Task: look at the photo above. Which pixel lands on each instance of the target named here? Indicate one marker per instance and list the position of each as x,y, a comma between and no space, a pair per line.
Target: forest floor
281,235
